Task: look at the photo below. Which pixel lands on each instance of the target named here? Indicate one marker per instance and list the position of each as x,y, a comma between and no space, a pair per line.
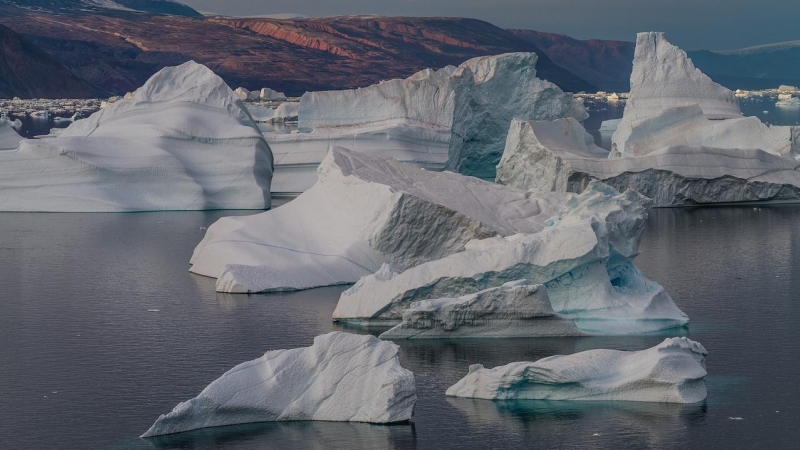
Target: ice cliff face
342,377
664,77
182,141
456,116
583,257
362,212
489,92
671,372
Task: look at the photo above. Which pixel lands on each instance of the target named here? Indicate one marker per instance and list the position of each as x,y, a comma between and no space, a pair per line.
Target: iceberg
455,117
245,95
271,95
363,211
342,377
792,102
583,256
181,142
560,156
515,309
671,372
663,77
9,138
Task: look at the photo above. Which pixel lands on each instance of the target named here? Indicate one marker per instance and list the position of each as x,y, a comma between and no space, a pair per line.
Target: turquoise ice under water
103,329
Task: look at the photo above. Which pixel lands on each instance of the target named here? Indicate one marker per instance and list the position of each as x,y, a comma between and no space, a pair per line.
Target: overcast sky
691,24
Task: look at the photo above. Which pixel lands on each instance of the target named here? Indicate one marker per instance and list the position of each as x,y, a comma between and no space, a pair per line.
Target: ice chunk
9,138
362,212
664,77
792,102
342,377
671,372
553,156
245,95
271,95
583,258
515,309
286,112
183,141
609,126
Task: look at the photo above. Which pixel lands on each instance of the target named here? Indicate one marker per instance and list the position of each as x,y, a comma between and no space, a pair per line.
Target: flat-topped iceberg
341,377
671,372
363,211
455,116
181,142
560,156
583,257
515,309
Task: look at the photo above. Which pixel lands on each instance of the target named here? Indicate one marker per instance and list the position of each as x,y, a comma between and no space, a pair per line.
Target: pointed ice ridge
342,377
671,372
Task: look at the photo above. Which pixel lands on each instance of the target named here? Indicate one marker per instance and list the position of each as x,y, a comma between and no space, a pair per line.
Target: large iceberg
9,138
182,142
671,372
457,113
583,256
363,211
342,377
560,156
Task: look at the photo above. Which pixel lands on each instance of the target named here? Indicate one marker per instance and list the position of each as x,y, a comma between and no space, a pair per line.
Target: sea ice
671,372
342,377
583,256
182,142
362,212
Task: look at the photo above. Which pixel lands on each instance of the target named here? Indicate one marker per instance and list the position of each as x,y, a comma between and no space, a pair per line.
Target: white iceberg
286,112
456,113
671,372
559,156
271,95
362,212
245,95
342,377
791,102
610,126
515,309
664,77
182,142
583,256
9,138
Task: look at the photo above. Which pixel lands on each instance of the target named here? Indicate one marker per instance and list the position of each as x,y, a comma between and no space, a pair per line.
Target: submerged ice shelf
181,142
342,377
671,372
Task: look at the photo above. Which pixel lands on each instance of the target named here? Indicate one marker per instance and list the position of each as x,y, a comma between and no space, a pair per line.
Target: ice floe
182,141
341,377
671,372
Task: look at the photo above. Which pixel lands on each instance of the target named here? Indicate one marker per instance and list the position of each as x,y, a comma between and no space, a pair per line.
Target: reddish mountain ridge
28,72
120,50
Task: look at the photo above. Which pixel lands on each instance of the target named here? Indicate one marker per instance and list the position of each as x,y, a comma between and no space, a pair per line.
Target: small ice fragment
735,418
596,434
153,310
203,228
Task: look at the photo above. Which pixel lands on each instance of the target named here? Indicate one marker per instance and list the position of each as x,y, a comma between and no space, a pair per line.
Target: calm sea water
86,362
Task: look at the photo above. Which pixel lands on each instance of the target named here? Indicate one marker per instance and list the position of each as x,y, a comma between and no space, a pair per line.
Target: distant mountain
759,67
119,50
168,7
606,64
26,71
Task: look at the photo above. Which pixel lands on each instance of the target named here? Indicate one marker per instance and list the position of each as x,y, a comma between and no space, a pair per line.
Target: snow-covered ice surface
557,156
9,138
664,77
342,377
583,256
455,116
182,142
513,309
362,212
671,372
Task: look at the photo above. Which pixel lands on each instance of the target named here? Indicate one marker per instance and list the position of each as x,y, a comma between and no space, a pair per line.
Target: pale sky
691,24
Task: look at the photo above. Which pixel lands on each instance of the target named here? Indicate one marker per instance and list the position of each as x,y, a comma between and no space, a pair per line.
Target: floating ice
9,138
342,377
182,142
583,257
671,372
792,102
362,212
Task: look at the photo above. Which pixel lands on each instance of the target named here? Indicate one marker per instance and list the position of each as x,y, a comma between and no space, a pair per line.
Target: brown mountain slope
606,64
28,72
119,52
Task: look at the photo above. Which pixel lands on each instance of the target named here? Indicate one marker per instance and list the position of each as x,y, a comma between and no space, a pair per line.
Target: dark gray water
85,365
